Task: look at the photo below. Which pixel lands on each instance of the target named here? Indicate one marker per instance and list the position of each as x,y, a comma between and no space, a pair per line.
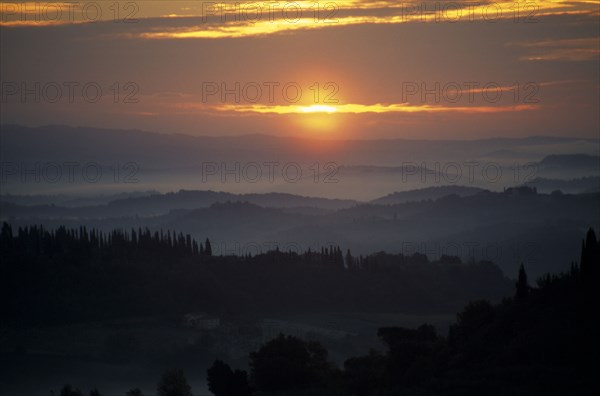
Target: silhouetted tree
218,377
288,363
364,374
68,390
475,316
411,352
349,259
135,392
222,381
522,285
207,248
173,383
590,261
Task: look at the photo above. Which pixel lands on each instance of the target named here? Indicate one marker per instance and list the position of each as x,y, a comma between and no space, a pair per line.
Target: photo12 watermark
60,12
69,172
270,11
469,92
467,172
269,171
289,92
69,92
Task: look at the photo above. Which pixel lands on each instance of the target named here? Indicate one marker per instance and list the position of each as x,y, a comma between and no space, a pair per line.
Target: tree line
77,275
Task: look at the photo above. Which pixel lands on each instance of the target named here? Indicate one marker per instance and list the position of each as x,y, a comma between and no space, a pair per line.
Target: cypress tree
522,286
207,248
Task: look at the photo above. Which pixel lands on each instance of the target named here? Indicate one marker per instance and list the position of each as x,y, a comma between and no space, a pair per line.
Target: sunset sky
343,69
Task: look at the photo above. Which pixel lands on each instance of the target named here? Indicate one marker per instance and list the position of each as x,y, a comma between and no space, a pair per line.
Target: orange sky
360,69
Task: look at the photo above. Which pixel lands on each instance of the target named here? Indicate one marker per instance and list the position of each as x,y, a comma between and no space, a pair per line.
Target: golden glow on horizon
361,109
394,14
349,12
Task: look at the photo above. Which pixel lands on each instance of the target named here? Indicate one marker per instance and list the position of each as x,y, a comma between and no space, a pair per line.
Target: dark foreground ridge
539,342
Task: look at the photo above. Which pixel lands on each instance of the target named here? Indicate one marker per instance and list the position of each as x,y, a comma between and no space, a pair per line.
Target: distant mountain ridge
574,186
428,193
159,204
169,151
507,228
571,160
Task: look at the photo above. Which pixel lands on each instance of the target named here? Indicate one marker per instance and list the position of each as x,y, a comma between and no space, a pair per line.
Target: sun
319,109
